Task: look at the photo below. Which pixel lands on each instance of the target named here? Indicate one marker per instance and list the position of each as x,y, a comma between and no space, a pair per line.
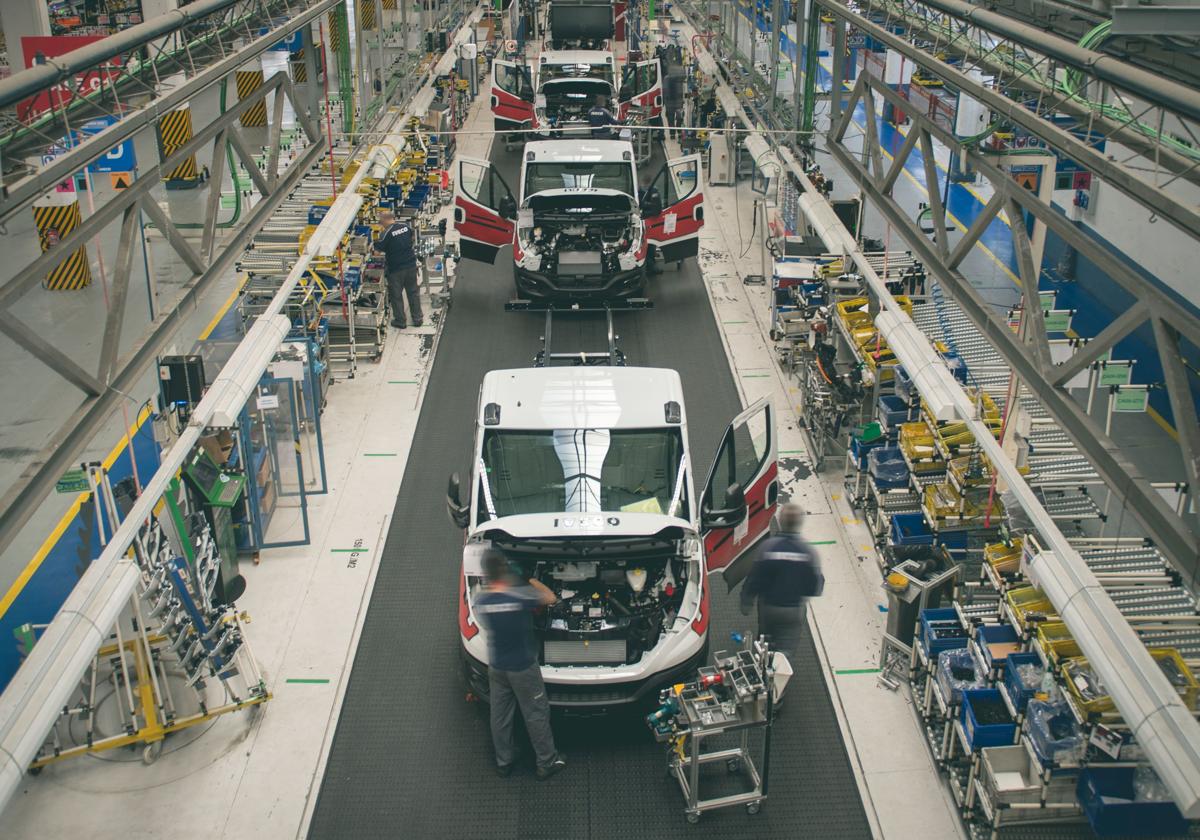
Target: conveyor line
410,758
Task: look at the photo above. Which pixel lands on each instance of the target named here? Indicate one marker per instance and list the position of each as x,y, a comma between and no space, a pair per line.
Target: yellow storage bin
1004,558
1057,642
1078,678
1027,602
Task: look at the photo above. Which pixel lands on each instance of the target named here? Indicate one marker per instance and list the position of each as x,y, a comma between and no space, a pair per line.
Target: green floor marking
299,681
846,671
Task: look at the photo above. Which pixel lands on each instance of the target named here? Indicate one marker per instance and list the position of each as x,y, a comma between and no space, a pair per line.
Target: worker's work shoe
503,770
544,773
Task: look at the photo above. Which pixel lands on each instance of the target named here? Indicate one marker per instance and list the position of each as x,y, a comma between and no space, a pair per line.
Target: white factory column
20,19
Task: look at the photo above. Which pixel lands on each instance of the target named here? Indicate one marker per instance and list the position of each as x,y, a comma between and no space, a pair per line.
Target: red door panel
688,220
724,545
510,108
748,457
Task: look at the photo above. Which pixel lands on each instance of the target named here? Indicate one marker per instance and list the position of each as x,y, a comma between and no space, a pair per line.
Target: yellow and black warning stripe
249,81
53,224
366,14
175,129
390,5
336,25
299,68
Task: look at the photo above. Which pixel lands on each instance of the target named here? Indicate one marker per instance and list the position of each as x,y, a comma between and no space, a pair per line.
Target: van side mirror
460,513
729,516
508,207
652,203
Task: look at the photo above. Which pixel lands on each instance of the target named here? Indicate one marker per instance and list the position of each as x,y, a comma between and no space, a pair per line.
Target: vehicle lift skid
547,357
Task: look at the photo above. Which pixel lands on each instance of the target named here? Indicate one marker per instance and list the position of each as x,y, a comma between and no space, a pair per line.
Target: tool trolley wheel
151,752
753,808
693,817
733,765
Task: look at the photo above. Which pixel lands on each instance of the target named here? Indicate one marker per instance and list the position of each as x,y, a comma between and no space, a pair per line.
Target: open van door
512,95
673,209
642,85
742,490
484,210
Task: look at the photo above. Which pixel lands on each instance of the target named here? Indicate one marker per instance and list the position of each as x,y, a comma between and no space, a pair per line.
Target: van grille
601,651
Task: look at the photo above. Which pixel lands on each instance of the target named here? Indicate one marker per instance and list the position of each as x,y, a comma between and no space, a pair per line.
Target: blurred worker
786,573
398,243
505,610
601,119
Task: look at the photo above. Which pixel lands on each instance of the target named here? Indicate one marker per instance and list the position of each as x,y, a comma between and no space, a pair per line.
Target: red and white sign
59,95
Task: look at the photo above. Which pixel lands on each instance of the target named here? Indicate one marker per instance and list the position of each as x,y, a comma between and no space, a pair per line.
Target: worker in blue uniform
505,610
398,243
785,574
601,119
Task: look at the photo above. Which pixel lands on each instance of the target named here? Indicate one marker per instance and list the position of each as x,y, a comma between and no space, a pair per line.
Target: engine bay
582,238
569,100
608,612
568,246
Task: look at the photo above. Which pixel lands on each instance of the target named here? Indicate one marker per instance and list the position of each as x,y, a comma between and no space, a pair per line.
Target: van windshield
583,471
558,176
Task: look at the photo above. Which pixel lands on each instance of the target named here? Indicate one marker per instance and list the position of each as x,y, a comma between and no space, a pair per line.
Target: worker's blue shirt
398,244
785,572
507,616
600,119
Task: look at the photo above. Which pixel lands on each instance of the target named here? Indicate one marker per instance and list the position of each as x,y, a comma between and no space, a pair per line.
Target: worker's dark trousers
401,282
783,627
507,690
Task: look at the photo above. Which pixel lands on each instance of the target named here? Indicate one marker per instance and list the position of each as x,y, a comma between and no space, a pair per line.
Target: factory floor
268,773
259,774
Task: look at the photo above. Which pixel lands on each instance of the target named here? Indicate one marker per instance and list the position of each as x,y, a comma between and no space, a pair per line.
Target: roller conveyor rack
1068,504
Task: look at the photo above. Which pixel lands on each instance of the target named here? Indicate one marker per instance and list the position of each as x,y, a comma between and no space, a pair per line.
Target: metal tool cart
731,697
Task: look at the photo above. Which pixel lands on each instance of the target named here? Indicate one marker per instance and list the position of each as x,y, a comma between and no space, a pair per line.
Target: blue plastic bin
886,464
992,633
952,540
939,629
859,450
1106,796
989,734
893,410
1018,693
910,529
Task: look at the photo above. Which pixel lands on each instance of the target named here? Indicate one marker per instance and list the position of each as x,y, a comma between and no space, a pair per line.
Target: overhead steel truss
222,60
103,388
1036,99
1029,357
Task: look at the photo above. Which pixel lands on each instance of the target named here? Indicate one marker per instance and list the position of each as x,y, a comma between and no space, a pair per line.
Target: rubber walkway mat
412,759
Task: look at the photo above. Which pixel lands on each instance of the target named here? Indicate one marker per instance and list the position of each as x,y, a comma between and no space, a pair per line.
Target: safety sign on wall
120,158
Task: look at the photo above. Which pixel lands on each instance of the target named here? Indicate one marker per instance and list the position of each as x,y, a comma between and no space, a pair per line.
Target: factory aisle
410,752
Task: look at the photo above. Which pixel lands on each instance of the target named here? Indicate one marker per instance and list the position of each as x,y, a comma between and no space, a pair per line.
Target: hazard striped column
297,66
175,129
250,79
336,25
54,218
389,5
366,15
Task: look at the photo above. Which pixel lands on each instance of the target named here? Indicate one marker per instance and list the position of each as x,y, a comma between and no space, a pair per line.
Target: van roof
582,397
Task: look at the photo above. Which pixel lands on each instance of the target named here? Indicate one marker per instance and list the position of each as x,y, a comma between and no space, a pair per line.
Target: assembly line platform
412,757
